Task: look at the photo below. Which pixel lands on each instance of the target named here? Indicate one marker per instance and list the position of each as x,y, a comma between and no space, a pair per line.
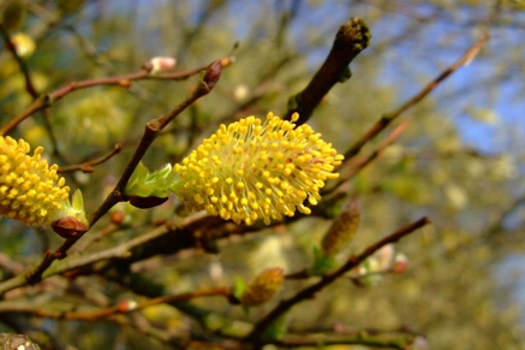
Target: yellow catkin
263,288
30,190
253,170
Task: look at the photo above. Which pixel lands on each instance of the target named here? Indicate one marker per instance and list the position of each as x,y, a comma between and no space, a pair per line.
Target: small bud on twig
117,217
127,305
227,61
263,288
69,227
343,229
400,264
213,73
160,64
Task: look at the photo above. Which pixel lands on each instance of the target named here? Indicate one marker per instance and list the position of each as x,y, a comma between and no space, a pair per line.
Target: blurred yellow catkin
31,191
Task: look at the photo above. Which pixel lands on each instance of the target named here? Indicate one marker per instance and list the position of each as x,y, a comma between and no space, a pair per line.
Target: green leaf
239,286
322,263
75,208
144,184
278,328
77,201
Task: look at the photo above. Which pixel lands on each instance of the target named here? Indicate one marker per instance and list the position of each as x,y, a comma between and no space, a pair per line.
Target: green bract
144,183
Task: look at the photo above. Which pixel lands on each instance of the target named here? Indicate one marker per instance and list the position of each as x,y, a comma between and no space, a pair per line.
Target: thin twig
30,88
89,166
388,118
357,168
326,280
125,81
152,129
290,341
124,307
135,249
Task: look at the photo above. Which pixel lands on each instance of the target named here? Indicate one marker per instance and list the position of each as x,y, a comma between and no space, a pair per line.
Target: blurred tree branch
329,278
388,118
89,165
153,128
125,81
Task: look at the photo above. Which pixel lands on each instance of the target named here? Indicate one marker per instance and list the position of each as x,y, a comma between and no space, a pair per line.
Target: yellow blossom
263,288
252,170
30,190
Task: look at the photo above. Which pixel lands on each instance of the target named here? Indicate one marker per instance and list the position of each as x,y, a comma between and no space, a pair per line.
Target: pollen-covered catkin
253,170
31,191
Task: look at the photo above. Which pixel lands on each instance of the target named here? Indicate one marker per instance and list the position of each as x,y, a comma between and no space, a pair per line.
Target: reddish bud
69,227
117,217
400,264
126,305
226,61
125,83
213,73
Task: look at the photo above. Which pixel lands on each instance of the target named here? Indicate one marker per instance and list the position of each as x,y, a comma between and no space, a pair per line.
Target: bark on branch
352,38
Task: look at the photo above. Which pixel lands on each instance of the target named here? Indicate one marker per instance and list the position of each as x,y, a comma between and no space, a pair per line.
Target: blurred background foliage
459,162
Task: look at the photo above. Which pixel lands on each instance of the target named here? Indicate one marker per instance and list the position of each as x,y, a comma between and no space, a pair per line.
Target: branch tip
354,35
213,74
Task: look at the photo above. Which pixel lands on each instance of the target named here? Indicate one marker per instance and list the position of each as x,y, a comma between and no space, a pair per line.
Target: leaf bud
161,64
263,288
343,229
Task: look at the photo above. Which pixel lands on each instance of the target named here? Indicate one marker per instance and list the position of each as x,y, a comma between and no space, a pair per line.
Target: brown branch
144,246
388,141
356,279
102,232
152,129
179,298
352,38
52,137
358,166
35,275
388,118
168,239
89,166
123,307
30,87
326,280
173,236
400,342
125,81
9,265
